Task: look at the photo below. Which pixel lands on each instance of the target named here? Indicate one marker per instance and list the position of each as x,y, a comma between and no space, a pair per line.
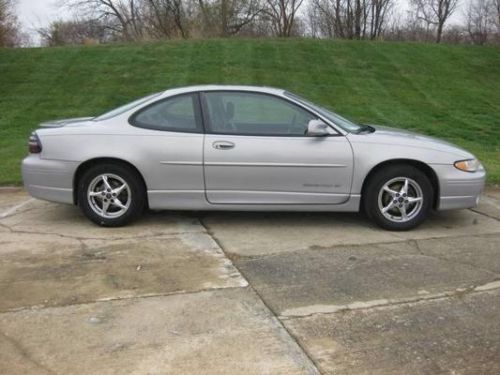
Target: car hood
401,137
61,123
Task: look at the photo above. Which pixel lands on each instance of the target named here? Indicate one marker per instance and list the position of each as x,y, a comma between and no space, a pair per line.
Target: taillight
34,145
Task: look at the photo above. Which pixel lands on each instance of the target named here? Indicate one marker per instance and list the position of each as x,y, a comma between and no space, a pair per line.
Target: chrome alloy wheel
400,199
109,196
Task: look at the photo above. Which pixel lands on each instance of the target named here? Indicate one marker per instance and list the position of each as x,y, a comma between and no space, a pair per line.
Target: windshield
124,108
333,117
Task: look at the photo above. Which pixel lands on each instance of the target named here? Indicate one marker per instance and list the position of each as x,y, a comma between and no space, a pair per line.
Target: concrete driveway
258,293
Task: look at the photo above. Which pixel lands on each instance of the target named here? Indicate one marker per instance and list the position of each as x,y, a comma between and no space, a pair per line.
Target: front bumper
458,189
51,180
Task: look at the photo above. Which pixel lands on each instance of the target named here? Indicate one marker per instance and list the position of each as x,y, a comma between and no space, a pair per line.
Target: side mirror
317,128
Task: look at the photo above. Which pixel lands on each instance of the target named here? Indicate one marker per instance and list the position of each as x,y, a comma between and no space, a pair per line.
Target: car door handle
223,145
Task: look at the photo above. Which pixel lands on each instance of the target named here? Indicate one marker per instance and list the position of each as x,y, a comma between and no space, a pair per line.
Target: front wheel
111,195
398,197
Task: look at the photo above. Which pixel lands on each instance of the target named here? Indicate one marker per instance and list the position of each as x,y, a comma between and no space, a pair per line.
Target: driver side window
244,113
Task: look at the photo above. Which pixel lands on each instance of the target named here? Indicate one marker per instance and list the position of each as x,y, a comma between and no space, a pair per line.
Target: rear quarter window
179,113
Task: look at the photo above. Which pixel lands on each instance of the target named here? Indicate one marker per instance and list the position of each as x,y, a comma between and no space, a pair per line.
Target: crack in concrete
411,242
12,210
415,243
79,238
309,311
295,339
113,299
11,228
6,227
19,213
24,353
484,214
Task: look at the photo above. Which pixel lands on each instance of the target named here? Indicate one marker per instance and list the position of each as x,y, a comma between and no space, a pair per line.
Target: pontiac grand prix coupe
244,148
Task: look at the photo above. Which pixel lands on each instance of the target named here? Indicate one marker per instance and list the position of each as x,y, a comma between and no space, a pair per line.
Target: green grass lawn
452,92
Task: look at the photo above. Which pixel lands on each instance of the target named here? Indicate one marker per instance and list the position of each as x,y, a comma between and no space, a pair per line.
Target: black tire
373,196
134,194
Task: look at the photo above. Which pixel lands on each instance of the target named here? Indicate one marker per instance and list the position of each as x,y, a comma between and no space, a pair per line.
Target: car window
118,111
333,117
255,114
174,114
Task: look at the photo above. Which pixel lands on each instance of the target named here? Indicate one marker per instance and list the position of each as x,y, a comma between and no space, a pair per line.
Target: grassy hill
451,92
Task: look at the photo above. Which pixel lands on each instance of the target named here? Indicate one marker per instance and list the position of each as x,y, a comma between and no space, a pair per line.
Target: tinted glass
124,108
255,114
175,114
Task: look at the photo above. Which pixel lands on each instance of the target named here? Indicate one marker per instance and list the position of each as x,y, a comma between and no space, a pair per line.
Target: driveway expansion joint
412,242
309,311
295,339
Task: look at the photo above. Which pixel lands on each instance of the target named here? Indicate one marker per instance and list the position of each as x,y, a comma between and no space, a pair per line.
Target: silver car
244,148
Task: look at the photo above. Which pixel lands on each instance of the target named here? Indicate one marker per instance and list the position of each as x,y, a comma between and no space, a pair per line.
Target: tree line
103,21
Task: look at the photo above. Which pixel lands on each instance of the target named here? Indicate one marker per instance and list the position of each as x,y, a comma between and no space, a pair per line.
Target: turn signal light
470,165
34,145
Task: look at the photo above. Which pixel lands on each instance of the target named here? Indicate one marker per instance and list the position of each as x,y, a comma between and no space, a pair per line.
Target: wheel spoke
119,189
402,209
105,207
414,199
106,182
118,203
404,189
390,191
388,207
96,194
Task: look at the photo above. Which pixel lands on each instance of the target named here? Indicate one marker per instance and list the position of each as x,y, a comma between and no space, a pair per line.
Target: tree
351,19
379,10
9,27
166,18
227,17
480,16
282,14
497,21
123,17
60,33
434,13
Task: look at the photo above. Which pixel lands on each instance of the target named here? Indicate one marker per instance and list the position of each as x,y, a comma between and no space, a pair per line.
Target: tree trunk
439,32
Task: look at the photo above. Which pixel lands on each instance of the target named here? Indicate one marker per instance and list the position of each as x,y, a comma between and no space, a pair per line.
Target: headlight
470,165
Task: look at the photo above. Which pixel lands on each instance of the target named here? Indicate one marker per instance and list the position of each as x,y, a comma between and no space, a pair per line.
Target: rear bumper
458,189
51,180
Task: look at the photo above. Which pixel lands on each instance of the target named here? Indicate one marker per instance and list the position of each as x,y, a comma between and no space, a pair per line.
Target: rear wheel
111,195
398,197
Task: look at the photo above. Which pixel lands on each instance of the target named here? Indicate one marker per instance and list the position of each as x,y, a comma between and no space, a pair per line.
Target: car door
168,150
256,151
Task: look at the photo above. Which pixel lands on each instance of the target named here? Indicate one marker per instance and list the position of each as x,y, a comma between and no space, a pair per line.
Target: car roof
197,88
